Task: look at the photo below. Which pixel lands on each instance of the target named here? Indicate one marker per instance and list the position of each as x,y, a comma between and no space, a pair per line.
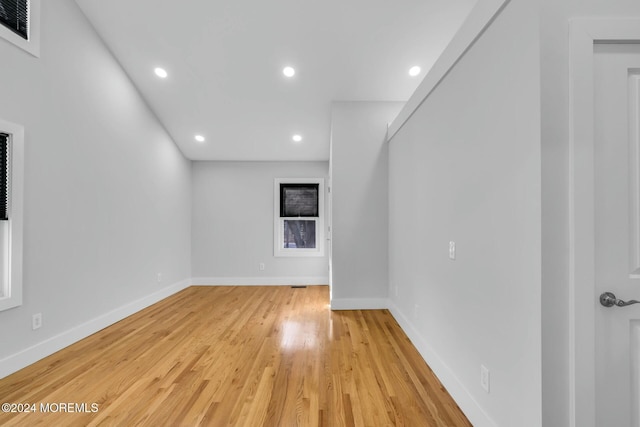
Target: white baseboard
359,303
259,281
26,357
447,377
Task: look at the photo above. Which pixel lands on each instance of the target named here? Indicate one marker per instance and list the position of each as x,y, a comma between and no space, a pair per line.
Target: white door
617,232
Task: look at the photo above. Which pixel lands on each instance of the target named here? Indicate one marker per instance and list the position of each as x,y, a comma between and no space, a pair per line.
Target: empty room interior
419,213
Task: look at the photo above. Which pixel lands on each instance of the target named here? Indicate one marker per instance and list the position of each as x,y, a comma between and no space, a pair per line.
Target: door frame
583,34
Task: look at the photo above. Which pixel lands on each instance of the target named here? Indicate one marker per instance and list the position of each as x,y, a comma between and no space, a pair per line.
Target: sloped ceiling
225,62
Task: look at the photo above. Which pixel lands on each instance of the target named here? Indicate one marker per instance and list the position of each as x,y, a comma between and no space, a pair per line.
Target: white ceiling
225,61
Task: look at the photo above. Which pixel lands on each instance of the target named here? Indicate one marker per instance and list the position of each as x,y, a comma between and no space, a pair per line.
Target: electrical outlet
261,266
484,378
159,277
452,250
36,321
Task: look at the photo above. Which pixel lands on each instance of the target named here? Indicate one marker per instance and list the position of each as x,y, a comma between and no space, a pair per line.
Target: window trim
12,294
32,45
278,221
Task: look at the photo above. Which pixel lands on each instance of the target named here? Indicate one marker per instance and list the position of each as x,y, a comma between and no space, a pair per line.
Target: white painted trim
447,377
26,357
12,294
478,20
634,183
260,281
278,222
584,33
359,303
32,45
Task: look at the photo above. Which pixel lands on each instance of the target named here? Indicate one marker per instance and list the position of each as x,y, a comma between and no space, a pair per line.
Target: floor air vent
298,286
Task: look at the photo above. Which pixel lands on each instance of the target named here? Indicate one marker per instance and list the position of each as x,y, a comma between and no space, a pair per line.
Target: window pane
4,176
299,234
299,200
4,258
14,15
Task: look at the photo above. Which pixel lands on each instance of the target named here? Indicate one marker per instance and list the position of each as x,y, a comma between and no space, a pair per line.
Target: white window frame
11,295
278,226
32,45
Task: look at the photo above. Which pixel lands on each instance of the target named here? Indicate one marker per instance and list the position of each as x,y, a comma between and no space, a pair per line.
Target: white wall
554,24
233,224
359,175
466,168
107,193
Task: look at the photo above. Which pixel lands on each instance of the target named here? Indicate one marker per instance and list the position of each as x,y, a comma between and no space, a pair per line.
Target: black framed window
298,200
14,14
4,177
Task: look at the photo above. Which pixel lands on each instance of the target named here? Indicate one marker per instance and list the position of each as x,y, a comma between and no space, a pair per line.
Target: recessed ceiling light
288,71
414,71
199,138
297,138
161,72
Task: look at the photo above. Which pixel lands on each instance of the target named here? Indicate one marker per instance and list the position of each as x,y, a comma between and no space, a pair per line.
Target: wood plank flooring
236,356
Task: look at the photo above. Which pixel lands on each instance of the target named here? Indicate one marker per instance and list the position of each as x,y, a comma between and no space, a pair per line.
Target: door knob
608,299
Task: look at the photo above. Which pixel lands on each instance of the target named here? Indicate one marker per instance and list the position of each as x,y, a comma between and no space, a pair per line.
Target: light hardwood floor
238,356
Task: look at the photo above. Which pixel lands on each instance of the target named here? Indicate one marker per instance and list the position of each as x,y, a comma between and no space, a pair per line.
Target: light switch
452,250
